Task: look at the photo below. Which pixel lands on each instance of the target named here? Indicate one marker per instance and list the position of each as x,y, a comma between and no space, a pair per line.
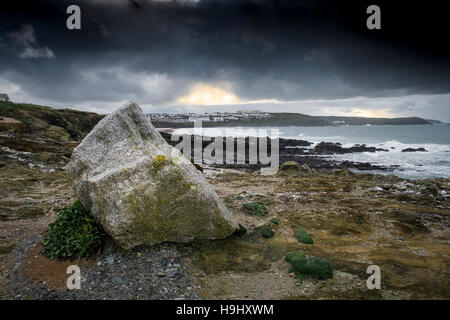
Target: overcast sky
314,57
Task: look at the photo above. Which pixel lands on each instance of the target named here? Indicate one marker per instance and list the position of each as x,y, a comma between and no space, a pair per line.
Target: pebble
117,280
171,272
110,259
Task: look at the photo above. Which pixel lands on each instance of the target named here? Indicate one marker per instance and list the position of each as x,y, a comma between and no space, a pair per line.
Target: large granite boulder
141,189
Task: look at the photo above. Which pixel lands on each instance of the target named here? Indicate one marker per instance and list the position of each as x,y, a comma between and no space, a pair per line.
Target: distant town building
4,97
209,117
198,118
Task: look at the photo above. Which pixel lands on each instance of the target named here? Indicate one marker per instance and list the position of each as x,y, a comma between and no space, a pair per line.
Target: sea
411,165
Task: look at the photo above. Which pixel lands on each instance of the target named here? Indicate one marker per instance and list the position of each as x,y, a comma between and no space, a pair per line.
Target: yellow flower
139,254
161,157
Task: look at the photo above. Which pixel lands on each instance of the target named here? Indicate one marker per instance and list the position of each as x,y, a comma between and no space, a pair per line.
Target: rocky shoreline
300,151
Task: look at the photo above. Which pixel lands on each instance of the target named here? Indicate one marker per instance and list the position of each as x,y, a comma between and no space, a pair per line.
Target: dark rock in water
364,148
327,148
294,143
414,150
333,148
360,165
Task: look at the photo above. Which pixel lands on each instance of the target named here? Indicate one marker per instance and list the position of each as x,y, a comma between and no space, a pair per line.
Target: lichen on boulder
293,168
290,166
141,189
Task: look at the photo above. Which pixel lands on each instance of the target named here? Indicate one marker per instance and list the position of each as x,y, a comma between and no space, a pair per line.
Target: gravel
157,272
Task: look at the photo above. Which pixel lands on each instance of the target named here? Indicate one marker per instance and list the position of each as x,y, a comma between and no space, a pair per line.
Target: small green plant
256,208
303,236
74,234
299,264
320,268
274,221
159,162
312,267
267,232
239,198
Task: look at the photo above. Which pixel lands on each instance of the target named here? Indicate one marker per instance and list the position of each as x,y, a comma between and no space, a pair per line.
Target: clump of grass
299,264
312,267
303,236
319,268
267,232
239,198
274,221
74,234
256,208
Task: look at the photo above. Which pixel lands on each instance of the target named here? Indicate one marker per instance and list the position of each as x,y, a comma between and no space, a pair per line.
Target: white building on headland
4,97
255,114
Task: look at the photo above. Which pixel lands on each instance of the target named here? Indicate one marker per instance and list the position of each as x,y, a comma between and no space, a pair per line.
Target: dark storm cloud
154,51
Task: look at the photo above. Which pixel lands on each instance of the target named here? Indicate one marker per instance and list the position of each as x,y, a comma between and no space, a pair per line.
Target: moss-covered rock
140,189
303,236
313,267
267,232
290,166
256,208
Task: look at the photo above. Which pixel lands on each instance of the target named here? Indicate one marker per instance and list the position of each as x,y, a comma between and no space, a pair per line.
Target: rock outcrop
414,150
290,166
141,189
294,167
12,125
336,148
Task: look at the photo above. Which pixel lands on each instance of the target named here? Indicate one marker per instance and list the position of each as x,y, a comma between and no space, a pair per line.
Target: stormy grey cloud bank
304,56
